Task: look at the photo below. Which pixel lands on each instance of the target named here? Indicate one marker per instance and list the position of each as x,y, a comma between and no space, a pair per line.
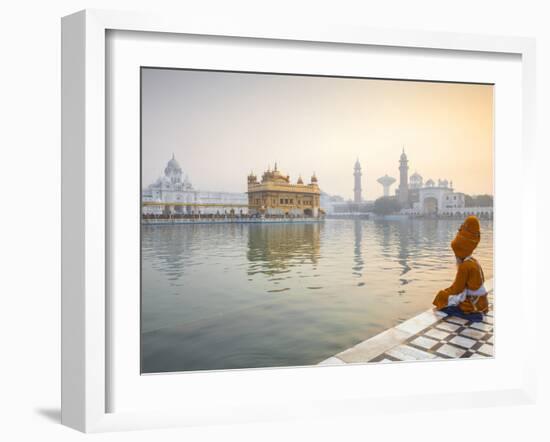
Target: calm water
245,295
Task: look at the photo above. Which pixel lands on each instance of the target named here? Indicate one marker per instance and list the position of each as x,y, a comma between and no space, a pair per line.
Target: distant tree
484,200
478,200
386,205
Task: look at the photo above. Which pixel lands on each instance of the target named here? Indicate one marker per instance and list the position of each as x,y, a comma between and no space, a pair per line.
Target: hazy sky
222,125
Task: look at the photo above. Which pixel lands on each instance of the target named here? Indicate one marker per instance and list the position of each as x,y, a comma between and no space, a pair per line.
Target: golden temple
276,195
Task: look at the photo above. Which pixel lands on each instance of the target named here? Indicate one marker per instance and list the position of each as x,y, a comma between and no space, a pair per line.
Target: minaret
357,188
403,178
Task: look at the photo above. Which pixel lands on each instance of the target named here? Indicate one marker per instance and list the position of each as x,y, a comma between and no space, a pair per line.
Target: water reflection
168,249
177,249
357,253
274,249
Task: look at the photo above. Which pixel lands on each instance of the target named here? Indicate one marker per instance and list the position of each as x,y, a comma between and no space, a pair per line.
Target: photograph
292,220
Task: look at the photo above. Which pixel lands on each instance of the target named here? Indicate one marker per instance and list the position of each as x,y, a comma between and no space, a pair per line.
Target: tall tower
403,178
357,187
386,182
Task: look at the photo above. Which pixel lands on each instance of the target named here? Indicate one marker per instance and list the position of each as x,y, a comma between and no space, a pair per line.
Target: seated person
466,297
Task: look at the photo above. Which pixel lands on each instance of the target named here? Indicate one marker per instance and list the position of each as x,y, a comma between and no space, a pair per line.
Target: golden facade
276,195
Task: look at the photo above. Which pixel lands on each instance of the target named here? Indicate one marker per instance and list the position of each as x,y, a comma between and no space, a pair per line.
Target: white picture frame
86,316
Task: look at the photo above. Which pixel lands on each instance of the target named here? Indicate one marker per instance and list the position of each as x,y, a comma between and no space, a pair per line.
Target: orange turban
467,238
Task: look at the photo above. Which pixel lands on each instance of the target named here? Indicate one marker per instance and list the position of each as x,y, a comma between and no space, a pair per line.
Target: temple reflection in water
272,249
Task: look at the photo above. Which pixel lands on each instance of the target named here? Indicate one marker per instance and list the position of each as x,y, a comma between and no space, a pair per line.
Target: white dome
173,166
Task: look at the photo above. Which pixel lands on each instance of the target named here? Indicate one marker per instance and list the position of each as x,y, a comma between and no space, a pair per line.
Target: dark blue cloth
455,311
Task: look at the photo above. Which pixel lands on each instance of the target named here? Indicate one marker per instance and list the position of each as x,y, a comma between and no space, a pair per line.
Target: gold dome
274,176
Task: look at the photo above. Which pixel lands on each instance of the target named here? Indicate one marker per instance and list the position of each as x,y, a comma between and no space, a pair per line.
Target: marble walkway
430,335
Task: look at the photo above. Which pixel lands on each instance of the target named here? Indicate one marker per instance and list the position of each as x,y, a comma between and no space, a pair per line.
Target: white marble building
462,212
434,199
176,195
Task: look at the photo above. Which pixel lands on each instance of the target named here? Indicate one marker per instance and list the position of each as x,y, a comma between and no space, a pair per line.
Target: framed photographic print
291,222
